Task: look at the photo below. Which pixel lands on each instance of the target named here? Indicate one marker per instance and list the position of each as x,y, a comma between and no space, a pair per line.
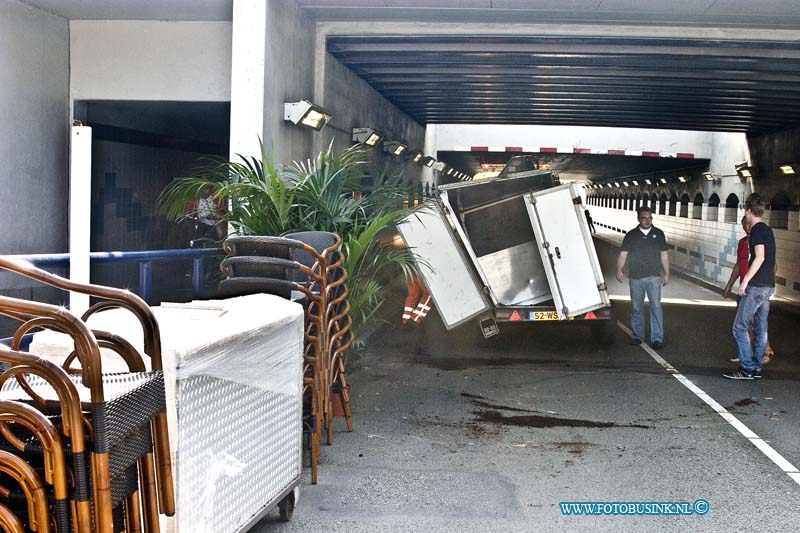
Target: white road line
792,471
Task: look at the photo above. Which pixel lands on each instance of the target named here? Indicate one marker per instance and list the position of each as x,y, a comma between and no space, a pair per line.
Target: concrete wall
288,77
707,248
34,128
150,60
355,104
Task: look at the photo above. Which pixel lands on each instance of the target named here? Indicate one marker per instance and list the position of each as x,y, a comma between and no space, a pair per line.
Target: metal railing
145,259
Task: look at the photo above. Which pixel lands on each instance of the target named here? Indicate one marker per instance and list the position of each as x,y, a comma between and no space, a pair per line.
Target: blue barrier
145,260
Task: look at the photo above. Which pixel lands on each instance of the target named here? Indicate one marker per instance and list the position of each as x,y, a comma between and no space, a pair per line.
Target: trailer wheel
603,333
286,507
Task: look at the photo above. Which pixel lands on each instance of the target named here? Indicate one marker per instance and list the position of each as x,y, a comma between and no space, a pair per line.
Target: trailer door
451,281
568,254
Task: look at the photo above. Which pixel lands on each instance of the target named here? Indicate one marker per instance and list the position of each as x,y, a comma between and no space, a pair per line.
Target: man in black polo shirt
645,249
755,290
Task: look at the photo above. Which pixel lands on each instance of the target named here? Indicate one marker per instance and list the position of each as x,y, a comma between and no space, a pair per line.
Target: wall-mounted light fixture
307,114
368,136
709,176
414,155
427,161
787,168
396,148
744,170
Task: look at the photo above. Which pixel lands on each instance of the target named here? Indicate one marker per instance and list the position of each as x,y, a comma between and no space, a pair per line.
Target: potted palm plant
327,193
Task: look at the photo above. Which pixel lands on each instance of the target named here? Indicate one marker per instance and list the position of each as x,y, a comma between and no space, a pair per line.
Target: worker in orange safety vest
418,301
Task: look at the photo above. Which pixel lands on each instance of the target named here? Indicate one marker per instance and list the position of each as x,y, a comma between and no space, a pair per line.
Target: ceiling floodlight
787,168
663,181
635,183
415,156
709,176
682,179
450,171
427,161
306,114
648,181
744,170
616,184
367,136
625,183
396,148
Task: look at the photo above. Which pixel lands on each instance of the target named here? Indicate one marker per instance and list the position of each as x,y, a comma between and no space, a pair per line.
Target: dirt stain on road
491,414
542,421
480,401
746,402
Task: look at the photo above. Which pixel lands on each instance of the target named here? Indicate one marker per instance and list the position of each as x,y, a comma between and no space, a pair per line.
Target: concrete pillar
80,213
247,76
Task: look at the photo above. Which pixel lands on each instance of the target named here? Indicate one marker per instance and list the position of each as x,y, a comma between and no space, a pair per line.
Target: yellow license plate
545,315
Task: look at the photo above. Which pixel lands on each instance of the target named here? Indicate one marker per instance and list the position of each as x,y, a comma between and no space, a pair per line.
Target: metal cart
233,380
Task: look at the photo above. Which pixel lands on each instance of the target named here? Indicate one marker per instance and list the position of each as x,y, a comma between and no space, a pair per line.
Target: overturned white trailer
510,249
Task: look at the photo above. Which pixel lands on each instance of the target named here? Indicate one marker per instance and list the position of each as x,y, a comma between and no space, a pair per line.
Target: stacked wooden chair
306,267
95,444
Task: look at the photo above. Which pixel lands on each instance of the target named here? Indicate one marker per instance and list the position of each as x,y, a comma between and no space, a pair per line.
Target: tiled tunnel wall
705,247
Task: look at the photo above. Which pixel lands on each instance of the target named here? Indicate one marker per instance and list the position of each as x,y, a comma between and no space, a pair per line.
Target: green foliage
316,195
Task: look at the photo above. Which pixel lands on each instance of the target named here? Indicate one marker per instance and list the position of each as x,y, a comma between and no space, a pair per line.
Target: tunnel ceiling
692,84
450,67
579,166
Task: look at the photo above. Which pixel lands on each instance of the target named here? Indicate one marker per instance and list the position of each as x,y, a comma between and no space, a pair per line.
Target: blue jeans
652,287
753,307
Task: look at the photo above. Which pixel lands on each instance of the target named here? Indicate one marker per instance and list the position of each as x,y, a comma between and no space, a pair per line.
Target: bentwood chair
338,322
10,522
110,298
72,427
292,269
120,408
340,338
32,435
313,259
120,437
32,490
313,377
124,454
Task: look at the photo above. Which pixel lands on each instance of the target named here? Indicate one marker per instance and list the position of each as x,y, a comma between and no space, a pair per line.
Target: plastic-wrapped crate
233,376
